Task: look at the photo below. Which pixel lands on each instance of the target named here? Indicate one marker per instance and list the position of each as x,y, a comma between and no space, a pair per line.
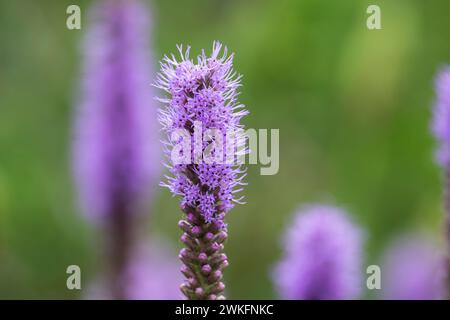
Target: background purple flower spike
441,130
116,148
441,117
322,258
413,269
203,96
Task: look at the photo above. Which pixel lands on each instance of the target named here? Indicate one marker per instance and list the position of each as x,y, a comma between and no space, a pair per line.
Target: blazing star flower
441,120
200,111
413,269
441,130
322,256
116,142
116,148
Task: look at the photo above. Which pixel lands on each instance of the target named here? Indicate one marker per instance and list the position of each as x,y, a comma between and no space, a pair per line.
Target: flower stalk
203,258
199,113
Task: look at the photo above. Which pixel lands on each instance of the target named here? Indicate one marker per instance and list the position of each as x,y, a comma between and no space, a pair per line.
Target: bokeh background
352,105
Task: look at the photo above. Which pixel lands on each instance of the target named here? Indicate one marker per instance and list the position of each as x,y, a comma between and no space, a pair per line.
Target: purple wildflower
441,130
116,143
441,120
115,148
322,256
413,269
202,96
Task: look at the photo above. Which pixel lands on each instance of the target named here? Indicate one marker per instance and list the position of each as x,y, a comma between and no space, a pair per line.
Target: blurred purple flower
413,269
116,149
441,119
203,96
441,130
322,256
152,274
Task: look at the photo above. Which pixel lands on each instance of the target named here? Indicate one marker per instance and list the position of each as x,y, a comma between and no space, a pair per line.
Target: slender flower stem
119,247
203,258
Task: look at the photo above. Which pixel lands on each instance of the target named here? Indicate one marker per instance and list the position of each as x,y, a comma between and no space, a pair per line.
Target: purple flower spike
322,257
116,148
441,130
201,110
116,141
441,117
413,269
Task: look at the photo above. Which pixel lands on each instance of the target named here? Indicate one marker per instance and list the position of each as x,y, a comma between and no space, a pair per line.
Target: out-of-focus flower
202,97
413,269
323,258
116,149
441,130
441,119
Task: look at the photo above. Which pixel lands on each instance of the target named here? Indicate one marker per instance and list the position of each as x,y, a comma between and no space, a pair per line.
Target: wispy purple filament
203,93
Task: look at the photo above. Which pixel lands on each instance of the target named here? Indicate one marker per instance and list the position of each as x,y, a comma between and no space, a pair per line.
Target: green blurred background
352,106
